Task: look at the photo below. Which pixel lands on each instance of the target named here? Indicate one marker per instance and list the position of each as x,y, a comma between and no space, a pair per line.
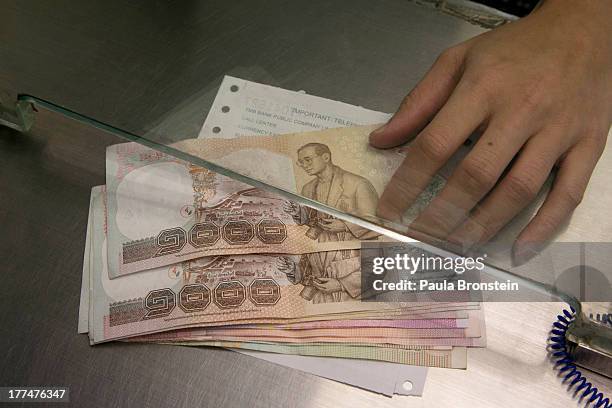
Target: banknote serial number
34,394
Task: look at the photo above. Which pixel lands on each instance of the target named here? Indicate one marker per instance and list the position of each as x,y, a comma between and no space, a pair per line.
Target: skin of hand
540,90
327,285
332,225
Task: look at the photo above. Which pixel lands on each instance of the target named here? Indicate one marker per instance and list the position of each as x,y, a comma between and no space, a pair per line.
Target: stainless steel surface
593,360
133,65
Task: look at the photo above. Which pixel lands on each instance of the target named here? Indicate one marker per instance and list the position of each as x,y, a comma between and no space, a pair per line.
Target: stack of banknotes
178,254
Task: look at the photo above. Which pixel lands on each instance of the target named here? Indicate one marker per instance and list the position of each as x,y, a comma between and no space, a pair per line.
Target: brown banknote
162,210
334,168
450,357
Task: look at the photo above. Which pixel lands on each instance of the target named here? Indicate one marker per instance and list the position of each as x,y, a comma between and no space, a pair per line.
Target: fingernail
377,132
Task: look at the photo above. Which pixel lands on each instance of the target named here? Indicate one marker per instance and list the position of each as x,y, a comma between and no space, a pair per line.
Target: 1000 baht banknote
335,168
162,210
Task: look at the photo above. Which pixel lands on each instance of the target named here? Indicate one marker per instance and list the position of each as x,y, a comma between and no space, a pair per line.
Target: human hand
327,285
332,225
540,89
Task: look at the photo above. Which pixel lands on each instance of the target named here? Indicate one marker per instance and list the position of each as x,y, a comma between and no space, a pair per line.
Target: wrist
583,5
587,23
587,11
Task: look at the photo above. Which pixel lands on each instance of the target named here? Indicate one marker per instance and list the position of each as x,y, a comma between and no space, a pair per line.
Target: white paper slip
377,376
245,108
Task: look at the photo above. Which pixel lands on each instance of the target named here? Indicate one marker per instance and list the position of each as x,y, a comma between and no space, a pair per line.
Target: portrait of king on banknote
330,276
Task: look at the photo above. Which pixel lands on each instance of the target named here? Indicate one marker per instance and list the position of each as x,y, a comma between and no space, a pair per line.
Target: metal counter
110,60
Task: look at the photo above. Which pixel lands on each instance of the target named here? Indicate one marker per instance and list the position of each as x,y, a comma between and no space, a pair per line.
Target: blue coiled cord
565,363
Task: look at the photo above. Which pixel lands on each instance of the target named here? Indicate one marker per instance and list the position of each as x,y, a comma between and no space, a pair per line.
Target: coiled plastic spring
565,364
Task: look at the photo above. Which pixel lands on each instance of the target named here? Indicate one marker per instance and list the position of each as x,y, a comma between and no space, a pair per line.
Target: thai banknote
162,210
380,333
367,341
430,323
451,357
335,168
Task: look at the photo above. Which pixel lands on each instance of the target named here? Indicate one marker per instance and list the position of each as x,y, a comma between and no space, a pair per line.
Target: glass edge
539,287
